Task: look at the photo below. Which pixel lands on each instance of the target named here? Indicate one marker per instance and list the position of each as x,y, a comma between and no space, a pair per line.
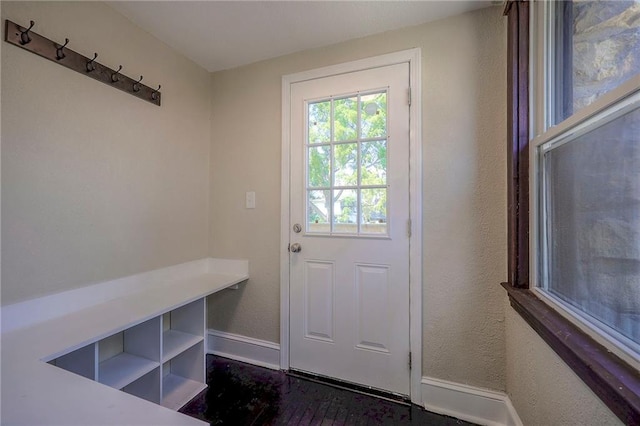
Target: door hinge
409,228
409,360
409,95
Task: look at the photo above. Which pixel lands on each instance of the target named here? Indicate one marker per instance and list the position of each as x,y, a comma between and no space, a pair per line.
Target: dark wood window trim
614,381
518,142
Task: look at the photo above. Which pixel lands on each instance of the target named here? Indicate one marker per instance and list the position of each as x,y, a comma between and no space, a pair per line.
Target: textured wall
97,184
464,208
543,390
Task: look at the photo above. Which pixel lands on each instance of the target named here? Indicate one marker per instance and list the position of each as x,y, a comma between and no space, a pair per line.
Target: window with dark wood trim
614,381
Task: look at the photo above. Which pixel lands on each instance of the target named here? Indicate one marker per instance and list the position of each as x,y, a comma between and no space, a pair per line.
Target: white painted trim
33,311
464,402
514,418
244,349
353,66
285,181
414,58
415,211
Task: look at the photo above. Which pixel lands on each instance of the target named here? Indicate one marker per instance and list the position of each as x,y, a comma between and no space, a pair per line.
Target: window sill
615,382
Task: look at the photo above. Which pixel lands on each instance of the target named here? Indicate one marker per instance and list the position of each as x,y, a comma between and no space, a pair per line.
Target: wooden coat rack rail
59,53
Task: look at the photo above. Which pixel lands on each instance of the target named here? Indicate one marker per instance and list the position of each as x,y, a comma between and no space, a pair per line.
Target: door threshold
354,387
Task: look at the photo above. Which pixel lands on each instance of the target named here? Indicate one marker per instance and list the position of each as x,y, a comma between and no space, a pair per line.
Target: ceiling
220,35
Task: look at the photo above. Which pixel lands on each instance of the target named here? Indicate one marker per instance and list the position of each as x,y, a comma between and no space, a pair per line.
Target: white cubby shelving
183,377
161,360
143,334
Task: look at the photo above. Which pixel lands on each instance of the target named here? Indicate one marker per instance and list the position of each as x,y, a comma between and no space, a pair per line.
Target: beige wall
97,184
464,92
543,390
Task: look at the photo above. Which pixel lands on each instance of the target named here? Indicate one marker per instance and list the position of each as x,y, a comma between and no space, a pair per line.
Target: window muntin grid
346,151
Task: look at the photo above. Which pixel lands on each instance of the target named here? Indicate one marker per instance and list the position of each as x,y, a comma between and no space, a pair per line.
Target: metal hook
154,94
136,85
90,65
24,35
60,50
115,77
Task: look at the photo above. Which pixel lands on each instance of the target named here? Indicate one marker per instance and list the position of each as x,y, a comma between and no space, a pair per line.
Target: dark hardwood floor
243,394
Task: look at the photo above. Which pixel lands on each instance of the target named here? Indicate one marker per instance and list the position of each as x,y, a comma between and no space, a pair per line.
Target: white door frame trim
414,58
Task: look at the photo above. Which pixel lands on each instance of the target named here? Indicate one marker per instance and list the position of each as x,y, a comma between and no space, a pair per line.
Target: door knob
296,248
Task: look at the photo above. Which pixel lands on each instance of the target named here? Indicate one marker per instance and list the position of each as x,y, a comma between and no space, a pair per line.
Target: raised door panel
319,281
372,307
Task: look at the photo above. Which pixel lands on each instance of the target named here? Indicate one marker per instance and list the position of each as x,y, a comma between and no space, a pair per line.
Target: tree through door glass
346,173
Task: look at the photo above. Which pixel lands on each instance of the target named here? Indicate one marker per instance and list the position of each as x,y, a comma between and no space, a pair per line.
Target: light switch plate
250,201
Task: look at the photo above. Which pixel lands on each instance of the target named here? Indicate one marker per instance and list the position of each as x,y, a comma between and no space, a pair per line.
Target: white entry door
349,230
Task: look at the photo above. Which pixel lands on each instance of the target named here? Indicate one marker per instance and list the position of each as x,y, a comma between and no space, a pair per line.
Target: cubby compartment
183,377
146,387
81,361
182,328
161,360
127,356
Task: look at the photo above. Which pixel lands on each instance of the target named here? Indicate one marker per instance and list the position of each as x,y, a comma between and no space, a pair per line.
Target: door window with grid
346,165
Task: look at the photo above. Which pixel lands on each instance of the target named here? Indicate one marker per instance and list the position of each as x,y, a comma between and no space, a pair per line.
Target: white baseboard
477,405
245,349
468,403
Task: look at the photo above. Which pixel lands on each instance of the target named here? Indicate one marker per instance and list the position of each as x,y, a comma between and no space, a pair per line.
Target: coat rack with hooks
59,53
